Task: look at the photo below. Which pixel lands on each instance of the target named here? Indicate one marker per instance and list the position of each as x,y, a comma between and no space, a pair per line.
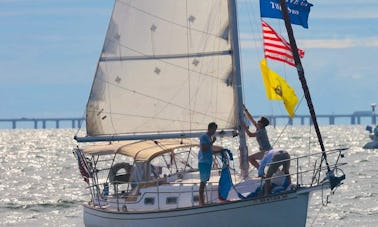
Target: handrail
309,155
97,196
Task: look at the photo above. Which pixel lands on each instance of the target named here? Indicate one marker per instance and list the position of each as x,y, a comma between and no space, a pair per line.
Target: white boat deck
178,193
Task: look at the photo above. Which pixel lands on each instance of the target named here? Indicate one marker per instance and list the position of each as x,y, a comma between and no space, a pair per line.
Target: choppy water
40,183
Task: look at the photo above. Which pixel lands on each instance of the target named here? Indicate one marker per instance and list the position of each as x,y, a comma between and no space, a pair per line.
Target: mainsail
166,66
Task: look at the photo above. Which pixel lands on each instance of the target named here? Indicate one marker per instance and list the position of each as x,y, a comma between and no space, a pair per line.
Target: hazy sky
49,51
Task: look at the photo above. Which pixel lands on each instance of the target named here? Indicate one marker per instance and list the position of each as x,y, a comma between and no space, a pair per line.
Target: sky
49,51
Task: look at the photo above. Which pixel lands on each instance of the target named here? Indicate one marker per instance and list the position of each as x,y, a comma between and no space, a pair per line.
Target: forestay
166,66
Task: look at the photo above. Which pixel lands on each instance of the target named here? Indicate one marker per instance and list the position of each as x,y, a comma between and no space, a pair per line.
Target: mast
301,75
244,165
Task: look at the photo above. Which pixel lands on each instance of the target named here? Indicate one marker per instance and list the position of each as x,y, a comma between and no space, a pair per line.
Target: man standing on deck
205,158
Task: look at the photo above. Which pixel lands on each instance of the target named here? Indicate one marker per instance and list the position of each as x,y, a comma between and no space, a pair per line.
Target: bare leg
288,177
254,157
267,187
201,192
253,161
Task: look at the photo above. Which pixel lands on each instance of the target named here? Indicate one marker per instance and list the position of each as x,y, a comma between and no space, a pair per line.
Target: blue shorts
204,170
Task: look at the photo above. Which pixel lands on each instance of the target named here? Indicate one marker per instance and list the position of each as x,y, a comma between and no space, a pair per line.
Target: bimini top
140,150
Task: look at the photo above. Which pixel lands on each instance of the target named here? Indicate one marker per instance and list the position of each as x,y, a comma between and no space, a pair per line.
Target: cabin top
141,150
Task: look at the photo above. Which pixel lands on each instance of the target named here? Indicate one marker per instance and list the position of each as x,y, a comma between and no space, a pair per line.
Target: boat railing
133,195
315,170
98,198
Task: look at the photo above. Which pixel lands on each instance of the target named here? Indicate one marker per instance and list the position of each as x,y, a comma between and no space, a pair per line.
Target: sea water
40,184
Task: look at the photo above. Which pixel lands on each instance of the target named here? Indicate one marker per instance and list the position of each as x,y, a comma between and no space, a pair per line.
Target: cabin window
149,201
171,200
195,198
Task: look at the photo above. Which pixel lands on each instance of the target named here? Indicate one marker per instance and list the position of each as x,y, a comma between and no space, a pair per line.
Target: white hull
372,144
288,209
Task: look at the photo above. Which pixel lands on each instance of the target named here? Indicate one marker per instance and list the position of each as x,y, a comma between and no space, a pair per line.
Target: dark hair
264,121
212,125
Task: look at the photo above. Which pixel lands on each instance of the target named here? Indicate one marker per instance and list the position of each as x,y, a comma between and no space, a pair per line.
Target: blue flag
298,10
225,181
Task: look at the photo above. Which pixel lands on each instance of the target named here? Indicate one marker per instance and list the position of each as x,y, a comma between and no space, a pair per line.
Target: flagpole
298,65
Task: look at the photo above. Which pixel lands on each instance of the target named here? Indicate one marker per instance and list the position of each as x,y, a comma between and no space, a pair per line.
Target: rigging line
287,123
171,153
242,71
317,214
169,63
217,59
242,75
145,116
257,26
206,42
302,79
80,124
284,65
167,56
179,90
110,108
188,64
162,109
152,49
98,65
109,97
168,21
158,118
309,141
158,99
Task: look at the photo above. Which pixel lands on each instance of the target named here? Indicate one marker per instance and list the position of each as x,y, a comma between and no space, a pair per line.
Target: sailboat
166,70
373,135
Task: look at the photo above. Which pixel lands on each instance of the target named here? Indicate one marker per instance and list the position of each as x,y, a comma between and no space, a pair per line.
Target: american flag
276,47
83,166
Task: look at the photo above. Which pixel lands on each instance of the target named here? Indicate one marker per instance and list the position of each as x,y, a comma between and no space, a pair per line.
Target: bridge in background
42,122
330,119
323,119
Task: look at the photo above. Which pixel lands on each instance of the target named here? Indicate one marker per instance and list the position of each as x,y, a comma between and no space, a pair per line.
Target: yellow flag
277,88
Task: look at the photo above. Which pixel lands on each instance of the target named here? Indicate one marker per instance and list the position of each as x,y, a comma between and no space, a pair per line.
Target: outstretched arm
249,133
250,117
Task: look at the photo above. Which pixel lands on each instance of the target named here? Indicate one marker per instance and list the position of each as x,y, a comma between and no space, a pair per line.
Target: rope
188,29
287,123
157,99
316,216
164,148
166,20
302,79
190,71
79,128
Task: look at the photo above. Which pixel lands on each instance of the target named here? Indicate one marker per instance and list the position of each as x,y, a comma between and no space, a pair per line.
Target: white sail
166,66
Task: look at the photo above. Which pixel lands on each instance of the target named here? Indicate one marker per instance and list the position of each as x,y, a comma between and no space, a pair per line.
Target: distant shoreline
356,118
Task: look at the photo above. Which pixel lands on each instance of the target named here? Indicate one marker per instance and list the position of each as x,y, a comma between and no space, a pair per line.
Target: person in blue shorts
205,158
